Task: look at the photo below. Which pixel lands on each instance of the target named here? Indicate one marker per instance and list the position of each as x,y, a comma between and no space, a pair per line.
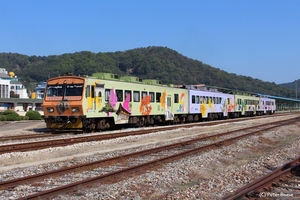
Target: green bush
10,112
2,117
33,115
24,118
13,118
10,115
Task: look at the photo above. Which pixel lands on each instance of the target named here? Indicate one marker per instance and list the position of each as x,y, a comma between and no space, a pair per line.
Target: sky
255,38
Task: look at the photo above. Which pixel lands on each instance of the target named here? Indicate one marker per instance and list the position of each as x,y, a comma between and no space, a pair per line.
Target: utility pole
296,88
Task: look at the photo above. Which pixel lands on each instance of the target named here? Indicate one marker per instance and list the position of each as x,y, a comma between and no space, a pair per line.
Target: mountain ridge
161,63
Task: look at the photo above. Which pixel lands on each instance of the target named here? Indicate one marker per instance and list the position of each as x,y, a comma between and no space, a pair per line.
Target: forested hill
159,63
295,86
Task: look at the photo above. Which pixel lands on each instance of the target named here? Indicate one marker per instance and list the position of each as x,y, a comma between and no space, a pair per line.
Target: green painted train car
106,100
245,105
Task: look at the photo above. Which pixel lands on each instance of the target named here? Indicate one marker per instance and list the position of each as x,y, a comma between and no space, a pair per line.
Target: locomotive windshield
64,90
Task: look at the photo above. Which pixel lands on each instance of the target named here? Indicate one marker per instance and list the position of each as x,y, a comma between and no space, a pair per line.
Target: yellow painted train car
105,100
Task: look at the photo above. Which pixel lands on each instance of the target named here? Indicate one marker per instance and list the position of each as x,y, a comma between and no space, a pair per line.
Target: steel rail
70,187
21,147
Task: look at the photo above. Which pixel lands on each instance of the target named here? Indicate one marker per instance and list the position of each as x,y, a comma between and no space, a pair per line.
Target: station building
14,96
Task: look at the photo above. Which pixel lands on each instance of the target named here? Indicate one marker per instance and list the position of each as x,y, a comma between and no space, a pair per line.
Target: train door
93,97
168,111
99,95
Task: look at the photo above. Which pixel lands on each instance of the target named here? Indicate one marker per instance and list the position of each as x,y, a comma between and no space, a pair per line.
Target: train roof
132,79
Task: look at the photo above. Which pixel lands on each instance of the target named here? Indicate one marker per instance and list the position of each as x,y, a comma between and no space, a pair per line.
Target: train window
193,99
210,100
201,99
169,101
176,98
228,101
128,93
119,94
197,99
107,92
144,94
87,91
214,100
158,95
99,94
93,91
151,94
136,96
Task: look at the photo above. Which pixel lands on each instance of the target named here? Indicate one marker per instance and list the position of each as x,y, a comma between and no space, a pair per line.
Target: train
104,100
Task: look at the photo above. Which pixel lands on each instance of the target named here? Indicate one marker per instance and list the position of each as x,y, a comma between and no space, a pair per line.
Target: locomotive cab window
64,90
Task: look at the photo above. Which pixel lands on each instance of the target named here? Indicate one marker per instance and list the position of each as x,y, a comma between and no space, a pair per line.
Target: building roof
15,82
3,75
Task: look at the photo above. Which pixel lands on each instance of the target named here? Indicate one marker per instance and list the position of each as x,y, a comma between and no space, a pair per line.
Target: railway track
113,168
26,137
46,133
37,145
282,183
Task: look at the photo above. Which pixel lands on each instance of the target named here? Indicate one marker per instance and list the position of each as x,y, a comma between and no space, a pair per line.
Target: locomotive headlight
75,109
50,109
